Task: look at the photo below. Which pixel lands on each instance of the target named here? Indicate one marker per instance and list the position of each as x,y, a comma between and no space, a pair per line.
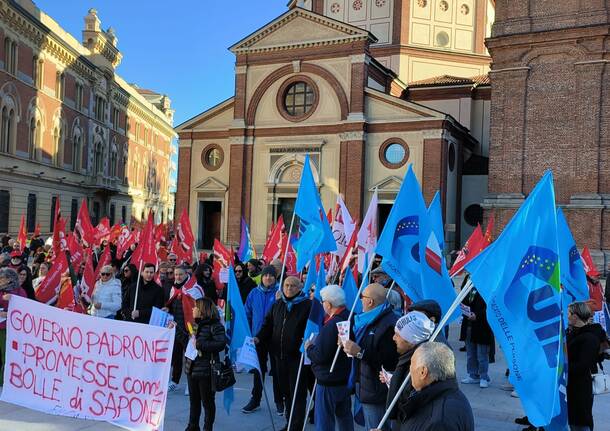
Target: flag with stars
399,241
572,271
518,276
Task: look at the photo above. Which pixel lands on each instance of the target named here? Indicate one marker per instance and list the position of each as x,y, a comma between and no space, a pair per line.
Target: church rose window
297,98
212,157
394,153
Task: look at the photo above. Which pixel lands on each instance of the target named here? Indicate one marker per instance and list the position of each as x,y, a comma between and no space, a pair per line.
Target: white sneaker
484,383
171,387
470,381
186,391
514,394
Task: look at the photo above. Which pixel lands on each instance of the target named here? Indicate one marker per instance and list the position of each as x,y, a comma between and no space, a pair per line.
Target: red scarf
330,316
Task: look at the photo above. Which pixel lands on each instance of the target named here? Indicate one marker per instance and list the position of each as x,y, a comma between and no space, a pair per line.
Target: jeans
333,404
373,413
477,363
201,393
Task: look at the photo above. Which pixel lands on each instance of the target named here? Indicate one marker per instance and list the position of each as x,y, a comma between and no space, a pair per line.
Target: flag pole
313,393
135,301
351,313
260,376
296,389
458,300
390,289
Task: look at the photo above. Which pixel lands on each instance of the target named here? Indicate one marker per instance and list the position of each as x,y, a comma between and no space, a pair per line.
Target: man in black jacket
436,401
149,295
282,333
333,402
373,349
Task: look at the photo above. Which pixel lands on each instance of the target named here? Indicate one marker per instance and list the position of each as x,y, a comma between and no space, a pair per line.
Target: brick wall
351,176
184,180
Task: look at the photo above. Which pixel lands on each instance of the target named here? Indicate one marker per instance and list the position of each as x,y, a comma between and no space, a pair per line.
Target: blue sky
174,47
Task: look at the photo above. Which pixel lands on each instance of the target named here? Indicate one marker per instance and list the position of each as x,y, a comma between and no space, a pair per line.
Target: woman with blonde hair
106,299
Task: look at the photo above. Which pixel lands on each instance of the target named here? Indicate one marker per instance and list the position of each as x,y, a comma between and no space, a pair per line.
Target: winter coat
378,350
583,349
246,284
210,341
399,375
480,331
322,352
150,295
109,295
4,304
438,406
282,330
258,304
176,310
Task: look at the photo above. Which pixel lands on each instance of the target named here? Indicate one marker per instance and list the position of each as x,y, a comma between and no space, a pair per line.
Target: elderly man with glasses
106,298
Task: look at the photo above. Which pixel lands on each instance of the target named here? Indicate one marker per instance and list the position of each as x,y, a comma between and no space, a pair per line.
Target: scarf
176,292
297,299
364,319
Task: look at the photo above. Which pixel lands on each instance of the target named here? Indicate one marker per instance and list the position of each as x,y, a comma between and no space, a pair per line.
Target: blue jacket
258,304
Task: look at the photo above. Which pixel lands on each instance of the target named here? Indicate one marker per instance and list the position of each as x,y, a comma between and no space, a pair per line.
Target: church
365,87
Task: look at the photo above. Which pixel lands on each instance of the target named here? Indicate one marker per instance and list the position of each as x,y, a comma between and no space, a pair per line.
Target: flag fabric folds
367,235
473,246
587,261
399,242
572,271
351,293
146,251
184,242
518,276
273,246
317,236
83,227
246,251
23,235
316,312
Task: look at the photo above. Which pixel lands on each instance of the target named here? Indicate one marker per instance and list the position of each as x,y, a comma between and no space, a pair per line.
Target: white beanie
414,327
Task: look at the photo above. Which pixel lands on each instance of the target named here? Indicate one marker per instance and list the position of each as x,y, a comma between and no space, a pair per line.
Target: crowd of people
388,340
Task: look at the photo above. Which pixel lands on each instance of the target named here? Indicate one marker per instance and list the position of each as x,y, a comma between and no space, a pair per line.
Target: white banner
70,364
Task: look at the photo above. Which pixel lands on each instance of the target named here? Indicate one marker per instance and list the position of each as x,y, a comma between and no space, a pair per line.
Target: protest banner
68,364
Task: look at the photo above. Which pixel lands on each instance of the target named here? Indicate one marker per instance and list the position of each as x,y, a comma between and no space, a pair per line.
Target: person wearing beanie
282,334
410,331
432,309
258,304
9,285
372,348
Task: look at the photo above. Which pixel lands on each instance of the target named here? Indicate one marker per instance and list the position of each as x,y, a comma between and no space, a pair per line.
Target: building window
394,153
77,152
137,134
212,157
95,219
112,214
31,213
53,209
34,138
5,137
113,162
100,108
99,162
73,213
123,214
5,200
125,168
473,214
37,71
79,96
297,98
115,118
60,82
58,143
10,56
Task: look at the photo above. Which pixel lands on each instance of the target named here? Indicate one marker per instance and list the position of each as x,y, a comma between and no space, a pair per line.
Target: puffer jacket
258,304
284,326
210,341
109,295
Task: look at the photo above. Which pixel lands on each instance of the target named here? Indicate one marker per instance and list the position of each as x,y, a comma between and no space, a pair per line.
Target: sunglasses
105,274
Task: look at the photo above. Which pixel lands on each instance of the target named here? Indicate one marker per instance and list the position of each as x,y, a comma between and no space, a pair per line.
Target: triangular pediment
389,184
211,184
300,28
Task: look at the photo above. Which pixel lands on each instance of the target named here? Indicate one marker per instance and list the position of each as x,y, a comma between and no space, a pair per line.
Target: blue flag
315,233
351,292
435,281
246,251
316,313
518,277
399,241
310,280
573,277
238,334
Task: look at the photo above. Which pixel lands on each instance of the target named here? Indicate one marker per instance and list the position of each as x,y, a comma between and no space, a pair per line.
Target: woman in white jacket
106,299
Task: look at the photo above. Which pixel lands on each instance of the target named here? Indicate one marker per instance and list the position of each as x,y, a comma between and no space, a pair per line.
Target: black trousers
257,387
287,370
201,394
177,359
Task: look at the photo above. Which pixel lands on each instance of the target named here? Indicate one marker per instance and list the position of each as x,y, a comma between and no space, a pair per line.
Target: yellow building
72,128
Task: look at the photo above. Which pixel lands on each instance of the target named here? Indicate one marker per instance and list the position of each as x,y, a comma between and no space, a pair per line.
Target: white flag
343,226
367,235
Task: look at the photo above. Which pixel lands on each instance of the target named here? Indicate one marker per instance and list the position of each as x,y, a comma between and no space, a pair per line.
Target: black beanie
269,270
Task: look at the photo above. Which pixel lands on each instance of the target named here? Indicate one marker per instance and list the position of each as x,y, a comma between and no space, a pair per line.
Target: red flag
222,259
76,251
83,227
124,241
48,288
102,231
60,243
489,230
474,245
161,233
65,299
185,240
115,232
349,249
36,230
87,283
273,246
23,236
587,261
103,260
146,251
188,303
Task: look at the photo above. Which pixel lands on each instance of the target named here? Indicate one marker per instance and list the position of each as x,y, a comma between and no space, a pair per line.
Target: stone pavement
494,409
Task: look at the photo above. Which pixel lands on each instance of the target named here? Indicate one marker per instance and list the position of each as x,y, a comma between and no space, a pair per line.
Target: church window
299,99
394,153
212,157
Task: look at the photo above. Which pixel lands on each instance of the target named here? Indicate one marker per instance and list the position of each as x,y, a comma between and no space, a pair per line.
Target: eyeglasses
362,296
105,274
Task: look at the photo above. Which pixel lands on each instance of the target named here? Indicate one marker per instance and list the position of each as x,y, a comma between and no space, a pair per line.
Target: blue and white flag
518,276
